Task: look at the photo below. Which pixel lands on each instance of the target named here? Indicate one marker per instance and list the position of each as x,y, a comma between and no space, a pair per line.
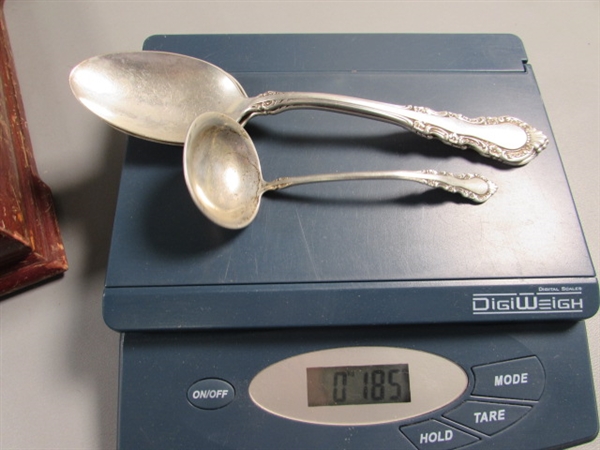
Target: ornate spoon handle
503,138
472,186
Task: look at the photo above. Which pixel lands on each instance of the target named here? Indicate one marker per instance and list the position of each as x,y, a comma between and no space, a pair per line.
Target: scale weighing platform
372,314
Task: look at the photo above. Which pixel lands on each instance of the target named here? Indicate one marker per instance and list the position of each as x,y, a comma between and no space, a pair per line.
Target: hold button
210,393
434,435
522,379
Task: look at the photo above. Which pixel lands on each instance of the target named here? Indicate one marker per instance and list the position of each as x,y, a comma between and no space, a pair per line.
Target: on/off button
210,393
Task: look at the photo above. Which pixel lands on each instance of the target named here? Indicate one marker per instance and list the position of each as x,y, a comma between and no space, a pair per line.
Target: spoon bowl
153,95
157,95
224,177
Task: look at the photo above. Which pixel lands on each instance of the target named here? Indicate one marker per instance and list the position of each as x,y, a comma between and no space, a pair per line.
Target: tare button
519,379
488,418
210,393
434,435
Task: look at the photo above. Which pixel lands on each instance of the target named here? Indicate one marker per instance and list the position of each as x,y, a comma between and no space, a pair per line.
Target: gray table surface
58,360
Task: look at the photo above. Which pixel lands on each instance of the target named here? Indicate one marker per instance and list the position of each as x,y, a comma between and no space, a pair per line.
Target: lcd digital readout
358,385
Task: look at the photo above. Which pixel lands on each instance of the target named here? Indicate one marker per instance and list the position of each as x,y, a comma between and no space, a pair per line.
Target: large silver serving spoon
157,95
223,174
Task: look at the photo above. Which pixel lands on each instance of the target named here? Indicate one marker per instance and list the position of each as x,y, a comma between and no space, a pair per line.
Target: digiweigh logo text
547,300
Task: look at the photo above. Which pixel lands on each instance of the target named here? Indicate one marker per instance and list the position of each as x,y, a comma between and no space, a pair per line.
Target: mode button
522,379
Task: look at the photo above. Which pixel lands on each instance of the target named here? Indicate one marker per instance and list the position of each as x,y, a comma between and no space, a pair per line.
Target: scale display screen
358,385
362,385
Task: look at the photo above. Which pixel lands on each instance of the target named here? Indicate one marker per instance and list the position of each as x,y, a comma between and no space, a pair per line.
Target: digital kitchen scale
356,315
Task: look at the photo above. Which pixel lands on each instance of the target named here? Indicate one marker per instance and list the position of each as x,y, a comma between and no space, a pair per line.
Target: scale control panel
377,385
523,387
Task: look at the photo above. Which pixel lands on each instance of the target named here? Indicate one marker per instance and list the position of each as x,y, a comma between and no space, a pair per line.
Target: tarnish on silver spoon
157,95
223,174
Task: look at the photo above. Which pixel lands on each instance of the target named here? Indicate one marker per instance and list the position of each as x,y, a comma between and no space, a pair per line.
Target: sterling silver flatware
157,95
223,174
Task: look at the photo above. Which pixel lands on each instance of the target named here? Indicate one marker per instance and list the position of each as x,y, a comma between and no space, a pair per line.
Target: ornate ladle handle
503,138
472,186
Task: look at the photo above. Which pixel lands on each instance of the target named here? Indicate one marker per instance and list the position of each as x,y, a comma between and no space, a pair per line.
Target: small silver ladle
223,174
